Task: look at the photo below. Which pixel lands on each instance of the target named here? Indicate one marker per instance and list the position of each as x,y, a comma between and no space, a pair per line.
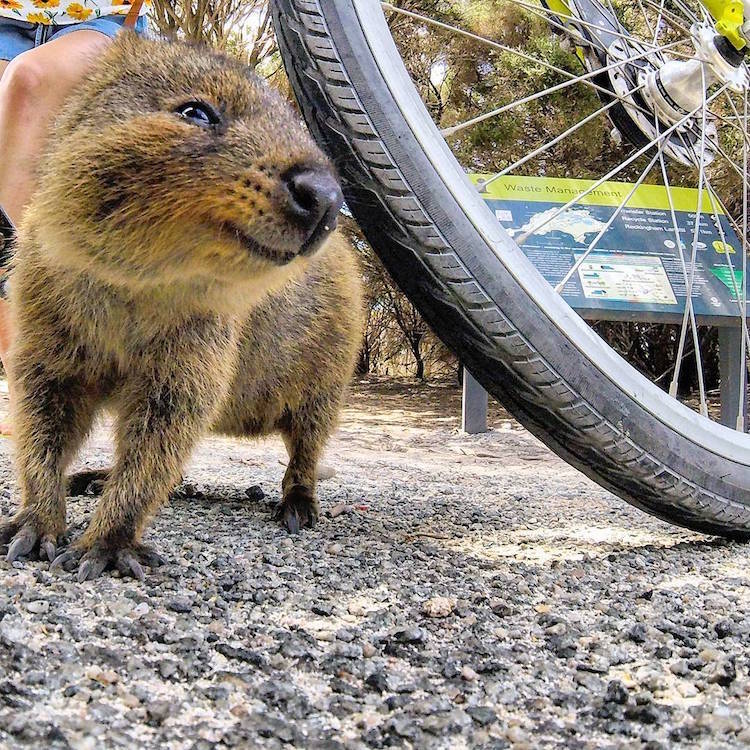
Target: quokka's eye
199,113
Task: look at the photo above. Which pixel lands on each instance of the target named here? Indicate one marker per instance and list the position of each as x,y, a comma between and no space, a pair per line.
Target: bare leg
305,434
32,88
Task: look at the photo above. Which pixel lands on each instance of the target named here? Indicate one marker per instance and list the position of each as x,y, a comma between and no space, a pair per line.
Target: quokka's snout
314,200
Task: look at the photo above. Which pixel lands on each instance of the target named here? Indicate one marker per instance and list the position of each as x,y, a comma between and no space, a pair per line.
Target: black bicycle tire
470,299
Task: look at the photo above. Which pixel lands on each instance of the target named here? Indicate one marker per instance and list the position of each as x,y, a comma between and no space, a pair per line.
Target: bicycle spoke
608,224
611,9
736,117
562,136
671,17
733,120
689,291
730,122
657,27
675,20
522,238
689,310
742,173
453,129
645,17
728,255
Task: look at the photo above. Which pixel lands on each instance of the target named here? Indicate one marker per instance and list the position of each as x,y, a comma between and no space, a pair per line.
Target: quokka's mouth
277,257
326,226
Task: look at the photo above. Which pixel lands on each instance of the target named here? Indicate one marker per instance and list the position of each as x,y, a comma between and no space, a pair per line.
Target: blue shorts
18,36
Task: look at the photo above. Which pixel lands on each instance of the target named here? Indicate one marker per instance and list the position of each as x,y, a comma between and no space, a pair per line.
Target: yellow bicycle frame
729,16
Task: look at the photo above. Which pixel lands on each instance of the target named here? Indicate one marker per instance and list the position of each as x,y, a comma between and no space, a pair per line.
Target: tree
241,27
396,339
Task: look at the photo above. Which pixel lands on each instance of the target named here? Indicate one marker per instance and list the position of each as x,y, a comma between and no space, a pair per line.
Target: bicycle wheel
477,289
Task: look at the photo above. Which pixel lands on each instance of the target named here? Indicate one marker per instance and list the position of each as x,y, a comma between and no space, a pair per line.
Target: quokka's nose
314,199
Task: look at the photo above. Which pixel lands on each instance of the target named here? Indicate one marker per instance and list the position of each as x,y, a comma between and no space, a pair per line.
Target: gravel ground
459,592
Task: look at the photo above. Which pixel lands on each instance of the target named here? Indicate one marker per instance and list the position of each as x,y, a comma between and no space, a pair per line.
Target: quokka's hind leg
305,432
52,416
92,481
88,481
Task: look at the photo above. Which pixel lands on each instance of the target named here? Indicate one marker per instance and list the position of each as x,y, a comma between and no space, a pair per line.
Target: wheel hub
677,88
659,95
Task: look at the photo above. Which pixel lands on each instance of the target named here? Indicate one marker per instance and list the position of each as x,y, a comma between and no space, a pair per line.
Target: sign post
730,372
473,406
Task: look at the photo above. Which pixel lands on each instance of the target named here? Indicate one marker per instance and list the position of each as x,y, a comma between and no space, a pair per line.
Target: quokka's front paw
298,509
26,532
129,559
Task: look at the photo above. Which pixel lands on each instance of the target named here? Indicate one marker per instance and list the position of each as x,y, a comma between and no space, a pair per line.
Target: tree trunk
363,361
416,350
420,368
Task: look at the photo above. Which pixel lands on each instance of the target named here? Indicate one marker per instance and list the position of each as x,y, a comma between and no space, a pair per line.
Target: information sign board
636,271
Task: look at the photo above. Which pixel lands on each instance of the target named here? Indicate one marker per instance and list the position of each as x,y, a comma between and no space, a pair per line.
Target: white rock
438,606
14,629
141,610
325,471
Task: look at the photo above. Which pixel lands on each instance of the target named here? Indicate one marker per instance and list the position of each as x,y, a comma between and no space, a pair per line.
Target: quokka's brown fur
126,294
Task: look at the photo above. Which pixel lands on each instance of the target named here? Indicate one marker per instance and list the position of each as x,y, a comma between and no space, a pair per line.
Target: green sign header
557,190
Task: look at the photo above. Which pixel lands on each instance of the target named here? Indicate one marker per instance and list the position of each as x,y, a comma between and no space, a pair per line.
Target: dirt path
469,592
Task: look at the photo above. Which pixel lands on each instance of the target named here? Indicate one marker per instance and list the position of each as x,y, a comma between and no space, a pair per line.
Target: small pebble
255,492
339,509
438,606
679,667
325,472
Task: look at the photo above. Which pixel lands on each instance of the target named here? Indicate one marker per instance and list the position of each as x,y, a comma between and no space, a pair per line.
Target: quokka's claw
22,537
64,559
23,542
298,510
129,561
49,548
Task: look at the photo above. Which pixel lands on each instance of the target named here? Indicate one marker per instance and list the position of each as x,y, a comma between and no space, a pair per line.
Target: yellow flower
10,5
46,3
37,18
77,11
